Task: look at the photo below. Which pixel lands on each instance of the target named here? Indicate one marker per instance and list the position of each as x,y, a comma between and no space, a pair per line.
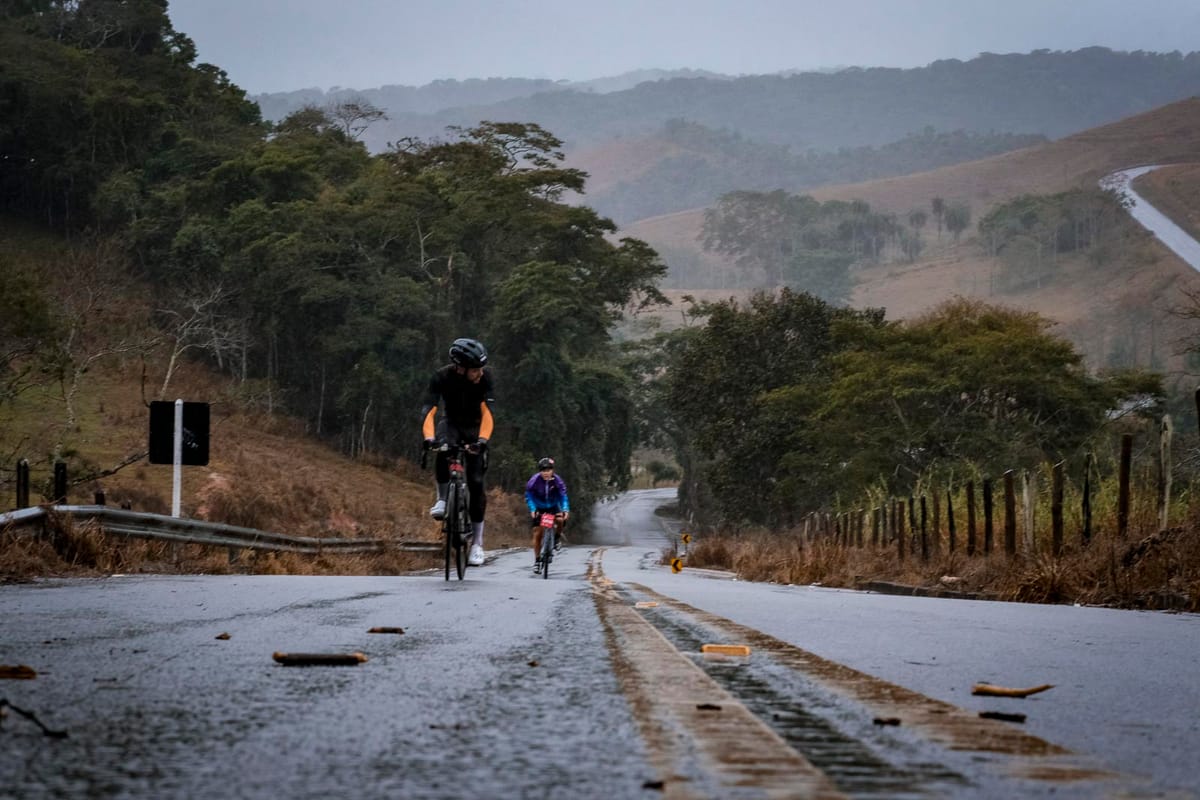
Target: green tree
958,219
743,392
967,382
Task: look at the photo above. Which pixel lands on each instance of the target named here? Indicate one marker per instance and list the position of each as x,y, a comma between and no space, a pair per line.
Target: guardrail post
23,483
60,482
99,497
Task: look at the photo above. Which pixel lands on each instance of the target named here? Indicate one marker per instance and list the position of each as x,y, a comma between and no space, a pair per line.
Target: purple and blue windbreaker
546,495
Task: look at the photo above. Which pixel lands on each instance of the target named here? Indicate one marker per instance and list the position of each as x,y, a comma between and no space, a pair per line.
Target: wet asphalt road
503,685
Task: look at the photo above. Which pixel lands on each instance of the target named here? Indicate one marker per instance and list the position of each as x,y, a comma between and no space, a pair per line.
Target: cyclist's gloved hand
428,444
481,443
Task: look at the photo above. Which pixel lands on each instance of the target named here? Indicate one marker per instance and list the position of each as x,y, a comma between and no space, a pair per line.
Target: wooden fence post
1164,472
1029,498
1010,514
1085,532
988,530
950,519
1123,485
912,524
1056,511
970,518
924,534
935,537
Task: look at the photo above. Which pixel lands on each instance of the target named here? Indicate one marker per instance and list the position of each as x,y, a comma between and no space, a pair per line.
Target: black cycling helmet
468,353
546,463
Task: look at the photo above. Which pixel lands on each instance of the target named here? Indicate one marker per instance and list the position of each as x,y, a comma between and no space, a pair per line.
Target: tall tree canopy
342,276
790,405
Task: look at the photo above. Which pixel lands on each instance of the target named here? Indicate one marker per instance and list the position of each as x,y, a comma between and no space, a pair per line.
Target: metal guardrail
191,531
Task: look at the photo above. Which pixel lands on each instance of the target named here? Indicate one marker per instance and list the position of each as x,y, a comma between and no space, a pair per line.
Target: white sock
477,531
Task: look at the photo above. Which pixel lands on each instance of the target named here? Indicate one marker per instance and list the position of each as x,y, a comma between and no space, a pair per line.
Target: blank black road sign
195,433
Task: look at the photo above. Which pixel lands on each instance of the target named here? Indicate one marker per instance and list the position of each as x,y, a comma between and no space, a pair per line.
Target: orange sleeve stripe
486,424
428,427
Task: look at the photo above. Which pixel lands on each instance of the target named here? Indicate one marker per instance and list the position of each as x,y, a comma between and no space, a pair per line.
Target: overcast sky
278,45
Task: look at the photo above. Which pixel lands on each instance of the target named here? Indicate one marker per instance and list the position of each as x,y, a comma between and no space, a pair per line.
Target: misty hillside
1053,93
686,165
679,140
447,94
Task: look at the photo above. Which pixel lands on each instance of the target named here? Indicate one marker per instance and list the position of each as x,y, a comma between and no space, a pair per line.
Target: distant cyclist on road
546,492
464,388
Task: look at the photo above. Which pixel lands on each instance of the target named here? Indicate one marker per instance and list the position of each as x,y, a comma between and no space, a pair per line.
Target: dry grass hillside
1094,305
265,472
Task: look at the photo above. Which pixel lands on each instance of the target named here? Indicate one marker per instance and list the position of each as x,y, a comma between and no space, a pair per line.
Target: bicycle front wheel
462,538
547,552
450,528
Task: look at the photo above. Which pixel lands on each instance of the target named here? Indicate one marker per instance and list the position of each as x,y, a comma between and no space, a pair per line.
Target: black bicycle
551,524
456,525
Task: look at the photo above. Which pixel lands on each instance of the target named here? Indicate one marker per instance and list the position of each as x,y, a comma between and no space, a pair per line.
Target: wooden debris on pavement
320,659
1003,691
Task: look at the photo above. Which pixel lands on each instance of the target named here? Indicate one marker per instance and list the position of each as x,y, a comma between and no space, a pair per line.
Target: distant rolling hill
1091,303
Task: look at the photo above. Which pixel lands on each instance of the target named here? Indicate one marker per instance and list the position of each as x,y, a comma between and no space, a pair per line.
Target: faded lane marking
945,723
688,722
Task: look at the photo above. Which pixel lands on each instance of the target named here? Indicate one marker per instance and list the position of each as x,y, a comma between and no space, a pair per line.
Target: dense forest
326,281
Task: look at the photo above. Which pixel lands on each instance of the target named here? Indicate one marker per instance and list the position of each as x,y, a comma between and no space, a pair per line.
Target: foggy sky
279,45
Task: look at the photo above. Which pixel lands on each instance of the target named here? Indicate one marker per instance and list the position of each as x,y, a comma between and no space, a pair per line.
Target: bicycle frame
456,525
549,522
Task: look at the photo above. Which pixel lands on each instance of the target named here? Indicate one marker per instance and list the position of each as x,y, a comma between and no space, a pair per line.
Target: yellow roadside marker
676,565
726,649
687,538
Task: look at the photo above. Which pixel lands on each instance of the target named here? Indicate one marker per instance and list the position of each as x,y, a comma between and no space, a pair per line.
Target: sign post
177,460
179,437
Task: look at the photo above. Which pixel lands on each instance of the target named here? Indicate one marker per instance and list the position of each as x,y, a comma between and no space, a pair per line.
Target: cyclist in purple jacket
545,492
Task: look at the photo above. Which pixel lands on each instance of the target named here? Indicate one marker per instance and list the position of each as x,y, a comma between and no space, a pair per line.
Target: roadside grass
1147,568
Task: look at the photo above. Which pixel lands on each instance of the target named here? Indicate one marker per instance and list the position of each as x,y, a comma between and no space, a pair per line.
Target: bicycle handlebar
445,447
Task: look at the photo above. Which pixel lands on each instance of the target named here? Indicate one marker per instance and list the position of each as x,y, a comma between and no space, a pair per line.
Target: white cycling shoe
475,559
439,510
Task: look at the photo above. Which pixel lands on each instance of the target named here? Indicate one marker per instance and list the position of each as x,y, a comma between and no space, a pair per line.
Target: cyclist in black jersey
464,390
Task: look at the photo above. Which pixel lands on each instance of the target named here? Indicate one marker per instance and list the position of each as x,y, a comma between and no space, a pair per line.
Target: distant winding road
1153,220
